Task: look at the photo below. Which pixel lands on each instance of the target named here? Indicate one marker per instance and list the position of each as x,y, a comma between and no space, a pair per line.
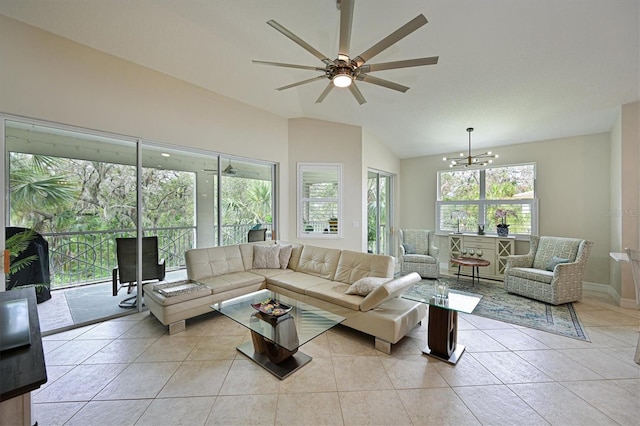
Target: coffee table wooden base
285,368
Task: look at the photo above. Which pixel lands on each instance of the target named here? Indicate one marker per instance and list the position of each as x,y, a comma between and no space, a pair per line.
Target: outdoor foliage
505,189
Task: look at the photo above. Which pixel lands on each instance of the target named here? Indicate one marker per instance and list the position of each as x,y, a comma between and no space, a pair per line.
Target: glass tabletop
301,324
457,300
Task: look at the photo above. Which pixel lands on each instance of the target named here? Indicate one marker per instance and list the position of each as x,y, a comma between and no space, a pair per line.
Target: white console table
494,248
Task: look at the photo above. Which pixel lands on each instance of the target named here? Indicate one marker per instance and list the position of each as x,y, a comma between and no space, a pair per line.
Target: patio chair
125,273
257,235
634,258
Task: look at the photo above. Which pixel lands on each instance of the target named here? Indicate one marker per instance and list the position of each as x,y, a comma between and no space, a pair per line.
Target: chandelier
470,160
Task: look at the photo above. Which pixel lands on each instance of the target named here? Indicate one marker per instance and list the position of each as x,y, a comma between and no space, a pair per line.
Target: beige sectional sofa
316,275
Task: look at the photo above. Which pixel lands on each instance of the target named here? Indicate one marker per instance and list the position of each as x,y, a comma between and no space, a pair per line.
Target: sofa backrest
548,247
319,261
213,261
354,265
418,239
296,251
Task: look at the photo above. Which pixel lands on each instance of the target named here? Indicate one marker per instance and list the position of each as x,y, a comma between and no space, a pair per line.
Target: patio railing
78,258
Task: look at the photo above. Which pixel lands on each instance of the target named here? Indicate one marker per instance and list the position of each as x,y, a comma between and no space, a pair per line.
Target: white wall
572,185
51,78
320,141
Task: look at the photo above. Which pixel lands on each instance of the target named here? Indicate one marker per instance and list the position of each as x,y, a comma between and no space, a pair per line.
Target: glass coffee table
275,339
442,328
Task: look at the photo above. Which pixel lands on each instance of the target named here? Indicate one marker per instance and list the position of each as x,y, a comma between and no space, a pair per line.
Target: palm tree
37,194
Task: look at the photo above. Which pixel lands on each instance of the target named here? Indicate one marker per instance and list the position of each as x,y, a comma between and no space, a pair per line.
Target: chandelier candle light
471,160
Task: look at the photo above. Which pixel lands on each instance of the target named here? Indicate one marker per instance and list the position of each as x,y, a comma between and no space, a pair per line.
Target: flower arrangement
502,215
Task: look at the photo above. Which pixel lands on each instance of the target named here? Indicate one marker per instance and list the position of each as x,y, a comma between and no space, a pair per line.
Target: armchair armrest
519,261
575,268
434,251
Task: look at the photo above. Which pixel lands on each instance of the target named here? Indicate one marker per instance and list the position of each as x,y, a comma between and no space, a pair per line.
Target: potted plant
503,227
16,245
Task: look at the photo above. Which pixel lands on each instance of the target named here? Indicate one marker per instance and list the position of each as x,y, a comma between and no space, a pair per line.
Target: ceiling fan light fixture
342,80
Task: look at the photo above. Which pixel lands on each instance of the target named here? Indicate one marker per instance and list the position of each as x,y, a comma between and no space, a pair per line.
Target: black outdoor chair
152,267
257,235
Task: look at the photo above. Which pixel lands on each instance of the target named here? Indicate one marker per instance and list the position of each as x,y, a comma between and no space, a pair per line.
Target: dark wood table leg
458,273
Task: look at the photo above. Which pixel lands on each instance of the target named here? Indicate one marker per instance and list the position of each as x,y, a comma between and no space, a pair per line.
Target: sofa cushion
409,248
221,283
354,265
566,248
266,257
319,261
418,258
555,260
246,251
334,292
213,261
539,275
284,255
295,281
296,251
366,285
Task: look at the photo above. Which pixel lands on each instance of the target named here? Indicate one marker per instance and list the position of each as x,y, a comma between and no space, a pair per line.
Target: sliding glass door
83,191
379,213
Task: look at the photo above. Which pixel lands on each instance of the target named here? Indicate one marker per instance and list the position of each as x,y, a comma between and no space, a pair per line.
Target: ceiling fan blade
280,64
306,46
392,38
400,64
346,19
325,92
357,94
384,83
289,86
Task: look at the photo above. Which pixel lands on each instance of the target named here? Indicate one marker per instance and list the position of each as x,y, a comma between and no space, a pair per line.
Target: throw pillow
285,255
409,248
366,285
555,260
266,257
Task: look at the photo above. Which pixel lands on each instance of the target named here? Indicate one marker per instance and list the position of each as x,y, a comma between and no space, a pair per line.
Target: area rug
497,304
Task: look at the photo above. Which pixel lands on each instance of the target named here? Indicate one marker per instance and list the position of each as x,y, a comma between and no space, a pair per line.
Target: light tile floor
130,371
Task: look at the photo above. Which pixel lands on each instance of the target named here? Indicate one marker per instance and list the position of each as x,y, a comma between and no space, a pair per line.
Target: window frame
301,200
483,203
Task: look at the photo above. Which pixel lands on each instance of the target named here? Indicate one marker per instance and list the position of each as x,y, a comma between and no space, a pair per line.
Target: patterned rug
497,304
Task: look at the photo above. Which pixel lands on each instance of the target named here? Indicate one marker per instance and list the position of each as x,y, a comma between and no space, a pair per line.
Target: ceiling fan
344,70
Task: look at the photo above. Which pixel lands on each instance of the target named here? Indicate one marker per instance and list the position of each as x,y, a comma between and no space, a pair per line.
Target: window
319,200
468,198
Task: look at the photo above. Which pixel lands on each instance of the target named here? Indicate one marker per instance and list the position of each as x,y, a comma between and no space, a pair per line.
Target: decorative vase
503,230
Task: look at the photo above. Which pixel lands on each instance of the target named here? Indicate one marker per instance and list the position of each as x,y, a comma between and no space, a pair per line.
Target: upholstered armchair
418,253
552,270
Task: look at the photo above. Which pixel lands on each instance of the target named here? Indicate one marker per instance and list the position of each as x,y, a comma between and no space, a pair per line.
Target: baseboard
611,292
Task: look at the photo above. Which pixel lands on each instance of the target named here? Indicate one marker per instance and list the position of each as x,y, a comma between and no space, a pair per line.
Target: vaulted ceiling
515,70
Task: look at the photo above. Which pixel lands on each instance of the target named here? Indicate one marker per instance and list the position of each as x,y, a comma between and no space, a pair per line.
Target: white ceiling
515,70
